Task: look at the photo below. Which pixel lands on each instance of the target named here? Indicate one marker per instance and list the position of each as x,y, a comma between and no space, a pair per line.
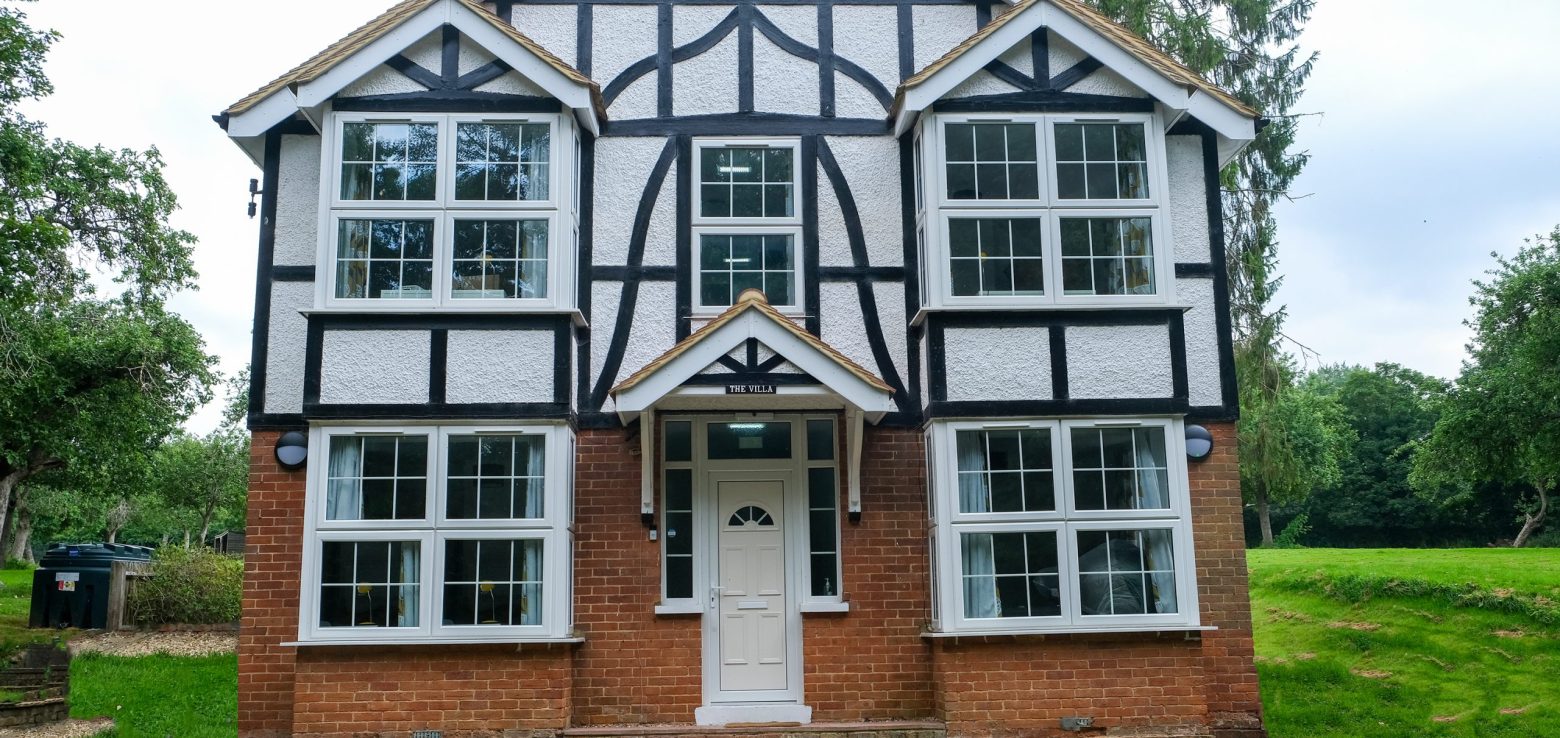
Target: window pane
747,182
749,440
991,161
376,478
823,530
384,259
1006,471
493,582
369,584
1107,256
1120,469
496,477
1126,572
820,440
679,440
731,264
388,161
502,161
1101,161
499,259
1008,575
996,256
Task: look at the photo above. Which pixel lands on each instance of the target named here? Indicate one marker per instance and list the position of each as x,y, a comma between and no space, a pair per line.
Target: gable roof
780,334
334,55
1080,19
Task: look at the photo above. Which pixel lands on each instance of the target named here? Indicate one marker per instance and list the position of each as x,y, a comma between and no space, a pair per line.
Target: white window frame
563,162
555,529
717,226
947,525
932,218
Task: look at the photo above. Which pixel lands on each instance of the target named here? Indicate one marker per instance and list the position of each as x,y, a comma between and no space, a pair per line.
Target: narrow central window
747,228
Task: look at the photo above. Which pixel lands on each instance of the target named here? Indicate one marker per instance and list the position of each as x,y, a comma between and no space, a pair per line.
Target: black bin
70,587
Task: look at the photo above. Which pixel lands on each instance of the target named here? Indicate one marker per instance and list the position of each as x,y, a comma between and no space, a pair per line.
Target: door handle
715,595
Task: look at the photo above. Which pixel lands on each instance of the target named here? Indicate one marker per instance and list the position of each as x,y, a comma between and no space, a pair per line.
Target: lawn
153,696
1408,642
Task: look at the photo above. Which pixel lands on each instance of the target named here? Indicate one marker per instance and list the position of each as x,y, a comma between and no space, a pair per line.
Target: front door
751,613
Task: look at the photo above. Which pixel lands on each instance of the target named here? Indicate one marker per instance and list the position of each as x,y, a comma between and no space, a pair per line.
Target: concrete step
873,729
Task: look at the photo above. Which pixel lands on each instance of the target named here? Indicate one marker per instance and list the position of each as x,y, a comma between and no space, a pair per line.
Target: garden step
873,729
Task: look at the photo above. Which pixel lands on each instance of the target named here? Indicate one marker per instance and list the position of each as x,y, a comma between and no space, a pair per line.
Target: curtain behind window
980,584
536,468
344,491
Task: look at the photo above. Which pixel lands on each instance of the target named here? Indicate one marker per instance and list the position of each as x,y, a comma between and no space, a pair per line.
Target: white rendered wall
298,203
623,166
869,36
286,344
555,27
500,366
998,363
1202,342
383,81
374,367
782,83
1188,203
939,28
1118,361
871,169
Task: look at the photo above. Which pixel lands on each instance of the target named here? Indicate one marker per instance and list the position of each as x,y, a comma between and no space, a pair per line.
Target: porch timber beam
853,428
647,467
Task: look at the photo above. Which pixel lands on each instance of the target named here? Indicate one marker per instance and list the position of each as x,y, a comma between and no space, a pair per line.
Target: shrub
1292,533
192,586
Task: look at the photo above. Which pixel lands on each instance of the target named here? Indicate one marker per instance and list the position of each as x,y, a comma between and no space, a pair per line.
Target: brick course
636,668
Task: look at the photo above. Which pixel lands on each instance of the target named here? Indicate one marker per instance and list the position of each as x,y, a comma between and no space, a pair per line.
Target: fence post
119,575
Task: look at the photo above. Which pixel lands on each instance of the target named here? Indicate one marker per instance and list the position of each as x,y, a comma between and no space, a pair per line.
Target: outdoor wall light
292,450
1199,442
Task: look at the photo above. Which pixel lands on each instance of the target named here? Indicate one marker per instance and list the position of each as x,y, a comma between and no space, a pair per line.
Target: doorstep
864,729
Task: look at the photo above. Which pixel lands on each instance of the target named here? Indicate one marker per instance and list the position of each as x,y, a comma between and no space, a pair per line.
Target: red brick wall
273,547
872,664
634,667
458,689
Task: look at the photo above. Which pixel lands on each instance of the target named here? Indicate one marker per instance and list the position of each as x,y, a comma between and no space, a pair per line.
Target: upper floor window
1055,525
447,211
1041,209
747,227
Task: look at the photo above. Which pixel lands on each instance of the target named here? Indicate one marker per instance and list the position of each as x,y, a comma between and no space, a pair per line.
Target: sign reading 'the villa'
750,389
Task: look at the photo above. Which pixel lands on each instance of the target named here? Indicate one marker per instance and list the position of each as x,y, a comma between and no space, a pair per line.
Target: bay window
1057,525
747,222
447,211
438,534
1040,210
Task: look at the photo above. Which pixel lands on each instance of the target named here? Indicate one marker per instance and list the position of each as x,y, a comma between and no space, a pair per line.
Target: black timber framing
292,273
447,101
259,347
1044,101
1056,322
438,326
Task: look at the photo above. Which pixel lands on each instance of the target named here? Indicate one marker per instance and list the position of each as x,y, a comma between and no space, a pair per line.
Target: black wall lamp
1199,442
292,450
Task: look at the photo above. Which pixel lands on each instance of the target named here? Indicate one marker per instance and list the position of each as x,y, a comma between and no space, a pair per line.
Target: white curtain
531,593
980,586
406,607
1150,460
1158,554
344,491
536,468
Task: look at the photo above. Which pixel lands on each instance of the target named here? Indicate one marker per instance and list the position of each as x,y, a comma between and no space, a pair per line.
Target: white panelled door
750,599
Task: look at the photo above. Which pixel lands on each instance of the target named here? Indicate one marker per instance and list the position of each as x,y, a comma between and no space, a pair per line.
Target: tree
88,382
1248,48
1501,421
1299,440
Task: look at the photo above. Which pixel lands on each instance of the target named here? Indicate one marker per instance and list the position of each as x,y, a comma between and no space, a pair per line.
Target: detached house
830,367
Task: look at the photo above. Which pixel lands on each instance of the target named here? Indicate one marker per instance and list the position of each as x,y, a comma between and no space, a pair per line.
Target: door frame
708,480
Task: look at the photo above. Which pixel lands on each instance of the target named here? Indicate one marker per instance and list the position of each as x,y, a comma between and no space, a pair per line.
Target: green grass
156,696
150,696
1408,643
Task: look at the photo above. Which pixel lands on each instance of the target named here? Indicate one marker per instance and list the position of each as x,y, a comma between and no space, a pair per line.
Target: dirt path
144,643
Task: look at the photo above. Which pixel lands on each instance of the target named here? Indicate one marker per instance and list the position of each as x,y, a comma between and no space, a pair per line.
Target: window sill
825,607
424,310
690,607
1049,307
495,641
1080,630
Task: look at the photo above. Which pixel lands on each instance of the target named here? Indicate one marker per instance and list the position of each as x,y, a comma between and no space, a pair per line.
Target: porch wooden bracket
647,467
853,429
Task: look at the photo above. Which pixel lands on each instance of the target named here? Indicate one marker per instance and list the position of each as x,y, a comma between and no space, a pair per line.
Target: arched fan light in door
750,514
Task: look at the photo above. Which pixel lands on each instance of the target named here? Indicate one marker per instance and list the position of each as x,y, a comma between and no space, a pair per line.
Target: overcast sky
1434,146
